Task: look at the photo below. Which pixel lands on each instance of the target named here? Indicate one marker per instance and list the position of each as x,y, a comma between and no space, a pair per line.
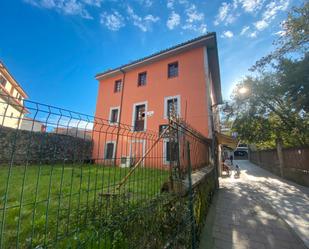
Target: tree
294,37
270,110
276,104
293,76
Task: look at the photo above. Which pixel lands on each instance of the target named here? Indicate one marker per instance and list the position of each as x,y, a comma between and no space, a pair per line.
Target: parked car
241,152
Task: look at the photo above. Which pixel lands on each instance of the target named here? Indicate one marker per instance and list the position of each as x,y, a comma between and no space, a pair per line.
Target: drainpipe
214,146
120,112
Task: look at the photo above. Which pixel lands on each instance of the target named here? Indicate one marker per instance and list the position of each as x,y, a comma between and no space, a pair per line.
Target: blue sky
54,48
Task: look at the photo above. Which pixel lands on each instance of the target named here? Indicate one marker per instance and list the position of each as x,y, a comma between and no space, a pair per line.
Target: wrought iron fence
70,180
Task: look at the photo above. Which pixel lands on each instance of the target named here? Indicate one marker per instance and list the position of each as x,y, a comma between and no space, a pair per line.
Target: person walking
231,159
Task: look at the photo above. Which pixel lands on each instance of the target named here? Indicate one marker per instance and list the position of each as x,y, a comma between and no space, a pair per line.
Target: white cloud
227,34
251,5
170,4
200,28
137,20
274,7
96,3
225,14
270,13
281,33
143,23
48,4
260,25
173,20
229,12
75,8
151,18
183,2
32,2
113,21
253,34
244,30
283,30
67,7
193,15
146,3
194,19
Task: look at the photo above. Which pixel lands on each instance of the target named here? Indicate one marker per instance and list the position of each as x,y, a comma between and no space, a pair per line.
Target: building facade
12,98
184,79
29,124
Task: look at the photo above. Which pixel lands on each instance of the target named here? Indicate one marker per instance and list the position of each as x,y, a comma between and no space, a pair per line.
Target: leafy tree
294,37
276,103
269,109
294,79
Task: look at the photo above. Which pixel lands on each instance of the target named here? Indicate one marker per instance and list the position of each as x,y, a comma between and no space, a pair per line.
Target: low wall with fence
295,163
141,190
41,147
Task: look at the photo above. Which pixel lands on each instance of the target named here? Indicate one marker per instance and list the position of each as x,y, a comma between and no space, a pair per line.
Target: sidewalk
257,210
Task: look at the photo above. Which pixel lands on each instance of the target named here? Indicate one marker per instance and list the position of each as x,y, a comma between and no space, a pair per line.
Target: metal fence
70,180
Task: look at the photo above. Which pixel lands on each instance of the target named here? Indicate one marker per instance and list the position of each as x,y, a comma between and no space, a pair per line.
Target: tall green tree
276,103
274,106
293,76
294,37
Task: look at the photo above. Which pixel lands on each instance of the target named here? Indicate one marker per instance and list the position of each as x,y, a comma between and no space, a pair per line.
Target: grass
45,204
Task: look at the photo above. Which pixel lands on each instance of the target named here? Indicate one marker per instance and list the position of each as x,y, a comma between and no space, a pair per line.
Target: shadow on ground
243,215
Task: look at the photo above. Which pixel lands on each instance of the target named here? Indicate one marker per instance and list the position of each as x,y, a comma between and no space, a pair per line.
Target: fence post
280,155
191,198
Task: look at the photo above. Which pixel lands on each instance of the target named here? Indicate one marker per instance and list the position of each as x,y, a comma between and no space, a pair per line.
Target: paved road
257,210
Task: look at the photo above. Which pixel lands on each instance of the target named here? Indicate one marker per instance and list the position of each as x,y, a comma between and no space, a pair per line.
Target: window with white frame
109,150
172,70
114,115
2,81
139,117
170,151
142,77
117,86
171,105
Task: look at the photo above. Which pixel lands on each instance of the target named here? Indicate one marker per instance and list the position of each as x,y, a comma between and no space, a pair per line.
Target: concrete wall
37,147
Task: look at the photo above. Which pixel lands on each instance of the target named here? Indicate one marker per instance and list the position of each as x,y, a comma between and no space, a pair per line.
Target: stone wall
36,147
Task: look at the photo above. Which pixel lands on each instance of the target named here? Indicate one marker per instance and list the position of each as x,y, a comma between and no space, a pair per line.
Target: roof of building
12,80
209,40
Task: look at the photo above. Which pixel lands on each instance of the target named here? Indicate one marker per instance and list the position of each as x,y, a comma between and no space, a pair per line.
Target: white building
12,97
30,124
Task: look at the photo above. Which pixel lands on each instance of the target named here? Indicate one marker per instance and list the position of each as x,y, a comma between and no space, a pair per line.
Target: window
142,79
173,70
172,106
123,160
114,115
171,151
139,117
162,128
109,150
118,85
2,81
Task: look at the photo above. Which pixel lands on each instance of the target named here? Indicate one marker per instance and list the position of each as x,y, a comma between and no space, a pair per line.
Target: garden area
71,206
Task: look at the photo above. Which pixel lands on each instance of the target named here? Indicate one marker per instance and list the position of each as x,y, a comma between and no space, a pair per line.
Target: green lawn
46,204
